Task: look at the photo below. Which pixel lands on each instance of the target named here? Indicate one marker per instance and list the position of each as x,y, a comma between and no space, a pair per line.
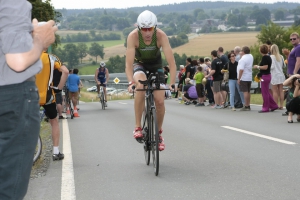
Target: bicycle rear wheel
147,146
38,149
154,141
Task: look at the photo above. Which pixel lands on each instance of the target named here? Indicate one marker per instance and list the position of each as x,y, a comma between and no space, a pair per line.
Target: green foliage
273,33
96,50
91,36
82,51
71,55
279,14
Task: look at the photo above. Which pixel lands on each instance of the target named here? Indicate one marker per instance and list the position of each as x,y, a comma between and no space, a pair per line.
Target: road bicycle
149,121
39,145
102,96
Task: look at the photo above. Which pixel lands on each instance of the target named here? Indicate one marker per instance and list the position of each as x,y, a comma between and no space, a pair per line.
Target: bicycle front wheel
154,141
102,101
146,131
38,149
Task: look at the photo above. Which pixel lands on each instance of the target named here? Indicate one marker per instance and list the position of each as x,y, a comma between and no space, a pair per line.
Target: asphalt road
210,154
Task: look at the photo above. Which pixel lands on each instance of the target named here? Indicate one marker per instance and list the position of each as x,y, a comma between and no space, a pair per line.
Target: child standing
199,86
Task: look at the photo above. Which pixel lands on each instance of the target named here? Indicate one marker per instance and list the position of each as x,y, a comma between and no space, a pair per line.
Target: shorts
200,90
245,86
217,86
186,95
102,81
50,110
58,98
137,68
73,94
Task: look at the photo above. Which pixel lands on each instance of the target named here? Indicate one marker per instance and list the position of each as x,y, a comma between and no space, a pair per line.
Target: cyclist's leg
159,97
98,87
104,90
52,114
139,99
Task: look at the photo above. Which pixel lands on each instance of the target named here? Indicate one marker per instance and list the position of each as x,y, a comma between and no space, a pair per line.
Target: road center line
67,179
260,135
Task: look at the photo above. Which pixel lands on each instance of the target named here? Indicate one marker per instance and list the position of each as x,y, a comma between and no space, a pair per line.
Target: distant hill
190,6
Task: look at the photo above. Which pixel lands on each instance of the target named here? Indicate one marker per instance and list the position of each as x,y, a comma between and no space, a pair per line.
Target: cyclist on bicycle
102,77
142,55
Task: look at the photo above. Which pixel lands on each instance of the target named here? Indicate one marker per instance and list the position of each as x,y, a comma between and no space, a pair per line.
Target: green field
109,43
88,70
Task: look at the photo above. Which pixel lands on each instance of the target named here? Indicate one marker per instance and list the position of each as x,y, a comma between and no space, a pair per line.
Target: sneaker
58,156
233,109
138,134
194,102
62,117
187,103
218,107
161,144
198,104
245,108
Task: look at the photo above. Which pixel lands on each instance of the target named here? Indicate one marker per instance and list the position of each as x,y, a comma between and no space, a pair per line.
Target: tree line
90,37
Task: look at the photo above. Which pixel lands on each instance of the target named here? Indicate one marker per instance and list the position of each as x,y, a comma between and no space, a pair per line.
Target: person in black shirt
191,69
233,85
215,72
264,69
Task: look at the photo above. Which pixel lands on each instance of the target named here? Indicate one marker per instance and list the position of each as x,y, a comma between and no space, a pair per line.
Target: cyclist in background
102,77
143,54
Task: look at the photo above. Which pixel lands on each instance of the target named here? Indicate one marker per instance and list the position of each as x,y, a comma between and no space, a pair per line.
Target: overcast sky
86,4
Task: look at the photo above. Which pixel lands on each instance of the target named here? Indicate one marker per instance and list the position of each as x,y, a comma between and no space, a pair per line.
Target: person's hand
45,34
238,81
131,88
172,87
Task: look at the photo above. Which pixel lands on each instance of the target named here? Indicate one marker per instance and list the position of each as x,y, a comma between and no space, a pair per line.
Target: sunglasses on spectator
147,29
293,39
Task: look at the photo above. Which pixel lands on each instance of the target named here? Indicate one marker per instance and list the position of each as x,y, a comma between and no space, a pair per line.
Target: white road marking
122,103
67,179
259,135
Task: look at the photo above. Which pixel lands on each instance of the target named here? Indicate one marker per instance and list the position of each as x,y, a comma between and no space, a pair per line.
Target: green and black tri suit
147,56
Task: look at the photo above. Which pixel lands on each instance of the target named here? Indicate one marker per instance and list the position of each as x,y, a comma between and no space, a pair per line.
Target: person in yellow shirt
44,82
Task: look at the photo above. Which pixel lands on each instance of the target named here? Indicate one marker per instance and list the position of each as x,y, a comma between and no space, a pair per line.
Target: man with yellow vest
47,97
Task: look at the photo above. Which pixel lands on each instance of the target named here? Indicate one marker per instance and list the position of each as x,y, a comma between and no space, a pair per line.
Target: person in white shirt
244,73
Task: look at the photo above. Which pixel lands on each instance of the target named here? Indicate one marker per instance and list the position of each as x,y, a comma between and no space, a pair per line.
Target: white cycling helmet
146,19
102,64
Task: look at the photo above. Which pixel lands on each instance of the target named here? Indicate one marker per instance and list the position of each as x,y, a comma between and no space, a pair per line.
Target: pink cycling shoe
161,145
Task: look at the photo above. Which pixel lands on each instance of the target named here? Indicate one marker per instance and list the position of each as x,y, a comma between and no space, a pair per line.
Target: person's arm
107,75
288,82
96,77
43,36
169,56
130,53
64,77
211,72
297,65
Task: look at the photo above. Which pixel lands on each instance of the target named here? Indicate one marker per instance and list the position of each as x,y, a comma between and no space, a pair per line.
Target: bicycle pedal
140,140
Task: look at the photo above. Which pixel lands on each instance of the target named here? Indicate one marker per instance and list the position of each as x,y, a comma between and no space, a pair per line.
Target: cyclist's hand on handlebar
131,88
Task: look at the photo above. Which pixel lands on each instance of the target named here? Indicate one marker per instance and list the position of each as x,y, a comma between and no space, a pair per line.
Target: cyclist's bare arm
96,77
164,43
64,76
130,53
107,75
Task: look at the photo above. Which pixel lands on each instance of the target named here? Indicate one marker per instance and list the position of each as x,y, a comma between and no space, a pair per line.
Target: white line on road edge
259,135
122,103
67,179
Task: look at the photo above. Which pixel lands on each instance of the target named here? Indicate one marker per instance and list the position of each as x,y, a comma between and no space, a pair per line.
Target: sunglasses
293,39
147,29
